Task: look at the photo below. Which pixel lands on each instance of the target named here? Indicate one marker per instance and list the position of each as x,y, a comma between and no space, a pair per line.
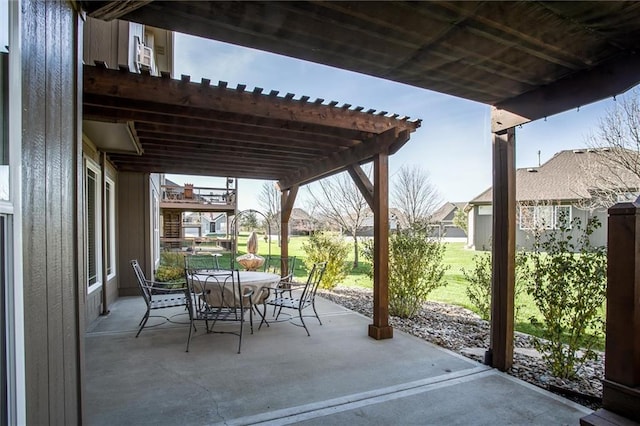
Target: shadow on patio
337,376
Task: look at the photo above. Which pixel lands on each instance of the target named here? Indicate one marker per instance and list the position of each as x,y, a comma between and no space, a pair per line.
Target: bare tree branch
338,200
269,200
415,197
614,173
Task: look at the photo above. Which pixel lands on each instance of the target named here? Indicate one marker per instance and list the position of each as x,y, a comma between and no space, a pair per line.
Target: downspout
103,183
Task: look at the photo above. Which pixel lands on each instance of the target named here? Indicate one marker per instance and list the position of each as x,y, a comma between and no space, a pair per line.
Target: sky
453,144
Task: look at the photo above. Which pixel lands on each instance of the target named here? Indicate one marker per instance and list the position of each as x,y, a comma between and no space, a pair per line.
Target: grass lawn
456,256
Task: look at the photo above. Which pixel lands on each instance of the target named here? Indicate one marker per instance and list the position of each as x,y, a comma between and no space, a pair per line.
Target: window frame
534,216
89,164
110,224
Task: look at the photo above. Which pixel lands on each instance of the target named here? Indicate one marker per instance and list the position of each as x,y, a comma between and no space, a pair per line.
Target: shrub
415,269
568,285
169,274
331,248
479,283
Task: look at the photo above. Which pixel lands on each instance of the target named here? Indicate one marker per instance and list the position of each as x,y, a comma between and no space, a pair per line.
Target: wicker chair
156,295
302,296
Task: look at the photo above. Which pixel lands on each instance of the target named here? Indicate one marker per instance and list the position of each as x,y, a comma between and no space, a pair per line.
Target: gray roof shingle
563,178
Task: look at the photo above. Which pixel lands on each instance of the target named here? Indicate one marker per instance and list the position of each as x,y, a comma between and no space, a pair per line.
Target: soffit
530,59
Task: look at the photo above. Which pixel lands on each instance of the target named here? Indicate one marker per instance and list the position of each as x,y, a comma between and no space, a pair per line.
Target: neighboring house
300,222
560,186
441,223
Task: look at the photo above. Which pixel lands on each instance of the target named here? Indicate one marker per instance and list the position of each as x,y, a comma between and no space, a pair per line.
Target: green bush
331,248
167,274
568,284
172,258
479,283
415,269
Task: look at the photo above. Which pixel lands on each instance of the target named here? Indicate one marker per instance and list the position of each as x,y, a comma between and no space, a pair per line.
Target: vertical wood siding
49,213
133,229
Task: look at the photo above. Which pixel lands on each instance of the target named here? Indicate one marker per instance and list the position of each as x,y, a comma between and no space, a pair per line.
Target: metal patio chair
218,296
157,295
305,292
203,262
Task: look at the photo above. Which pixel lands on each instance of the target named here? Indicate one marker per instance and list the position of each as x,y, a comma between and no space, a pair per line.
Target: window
93,223
485,210
544,217
4,127
110,227
156,229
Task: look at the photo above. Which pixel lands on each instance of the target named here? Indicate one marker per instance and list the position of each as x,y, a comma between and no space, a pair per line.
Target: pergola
528,60
185,127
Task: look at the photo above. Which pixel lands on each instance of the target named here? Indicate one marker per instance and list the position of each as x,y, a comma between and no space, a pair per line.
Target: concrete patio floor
338,376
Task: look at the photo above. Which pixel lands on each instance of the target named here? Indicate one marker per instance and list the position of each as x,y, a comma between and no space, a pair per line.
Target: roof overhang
527,59
203,129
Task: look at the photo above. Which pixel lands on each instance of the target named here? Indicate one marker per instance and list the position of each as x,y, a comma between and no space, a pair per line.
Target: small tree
415,269
331,248
461,220
569,289
479,282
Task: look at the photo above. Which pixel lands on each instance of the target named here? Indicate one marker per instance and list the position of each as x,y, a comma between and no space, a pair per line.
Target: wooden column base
604,417
380,333
621,399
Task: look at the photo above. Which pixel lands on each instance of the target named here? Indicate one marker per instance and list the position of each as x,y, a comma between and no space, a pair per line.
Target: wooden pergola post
380,328
287,199
500,353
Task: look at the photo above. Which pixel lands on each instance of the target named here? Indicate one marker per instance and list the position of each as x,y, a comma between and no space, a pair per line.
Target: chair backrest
143,283
220,289
313,282
201,262
273,264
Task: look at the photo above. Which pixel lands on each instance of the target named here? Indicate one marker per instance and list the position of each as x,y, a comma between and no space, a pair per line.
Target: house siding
51,158
133,234
525,238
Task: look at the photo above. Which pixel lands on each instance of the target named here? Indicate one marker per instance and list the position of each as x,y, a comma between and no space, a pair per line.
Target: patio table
252,280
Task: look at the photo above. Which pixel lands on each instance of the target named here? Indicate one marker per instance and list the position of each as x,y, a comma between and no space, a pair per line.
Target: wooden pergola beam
341,160
132,86
363,183
606,79
500,354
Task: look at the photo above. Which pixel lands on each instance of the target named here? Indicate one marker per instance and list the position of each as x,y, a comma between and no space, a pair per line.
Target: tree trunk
355,251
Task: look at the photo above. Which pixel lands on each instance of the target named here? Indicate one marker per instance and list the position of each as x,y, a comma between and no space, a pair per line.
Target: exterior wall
112,42
482,229
133,232
51,158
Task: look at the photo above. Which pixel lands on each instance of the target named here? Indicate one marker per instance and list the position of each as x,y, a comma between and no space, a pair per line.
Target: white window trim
90,164
112,228
16,382
536,210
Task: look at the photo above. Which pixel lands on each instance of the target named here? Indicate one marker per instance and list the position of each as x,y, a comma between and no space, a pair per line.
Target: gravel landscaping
462,331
